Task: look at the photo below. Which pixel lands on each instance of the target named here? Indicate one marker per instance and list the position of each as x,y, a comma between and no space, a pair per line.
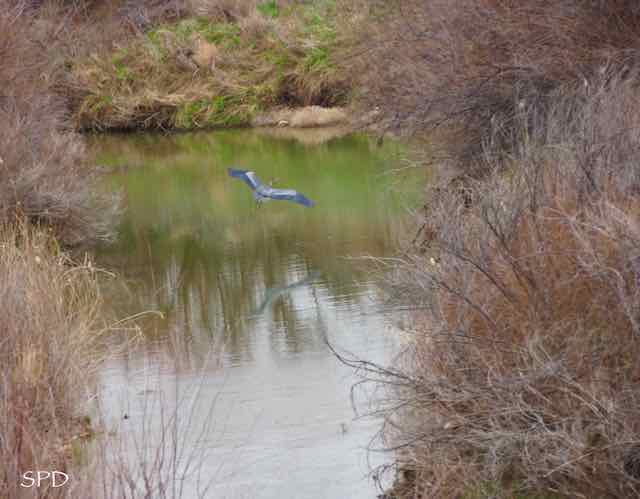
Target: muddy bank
304,117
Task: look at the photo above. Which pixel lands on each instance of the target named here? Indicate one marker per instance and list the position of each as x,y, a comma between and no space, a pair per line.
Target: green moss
122,72
319,26
119,61
493,489
95,104
231,111
320,22
189,115
185,28
225,34
268,8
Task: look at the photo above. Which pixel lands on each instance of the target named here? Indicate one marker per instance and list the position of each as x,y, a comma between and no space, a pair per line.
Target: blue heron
262,192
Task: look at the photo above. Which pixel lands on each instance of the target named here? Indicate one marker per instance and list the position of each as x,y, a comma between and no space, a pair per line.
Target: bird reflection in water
272,294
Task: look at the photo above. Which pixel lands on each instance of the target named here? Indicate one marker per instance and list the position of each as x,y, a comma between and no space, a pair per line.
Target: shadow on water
266,283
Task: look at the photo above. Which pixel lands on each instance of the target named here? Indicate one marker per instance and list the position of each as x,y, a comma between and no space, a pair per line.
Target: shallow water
248,298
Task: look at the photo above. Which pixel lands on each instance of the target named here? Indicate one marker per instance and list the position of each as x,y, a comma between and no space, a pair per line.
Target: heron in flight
262,192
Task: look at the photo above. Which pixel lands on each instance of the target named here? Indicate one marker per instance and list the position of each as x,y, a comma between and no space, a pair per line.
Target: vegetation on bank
44,178
49,204
522,376
218,64
50,309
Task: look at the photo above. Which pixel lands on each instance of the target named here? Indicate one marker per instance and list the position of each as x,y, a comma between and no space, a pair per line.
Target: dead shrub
523,370
469,64
46,180
44,176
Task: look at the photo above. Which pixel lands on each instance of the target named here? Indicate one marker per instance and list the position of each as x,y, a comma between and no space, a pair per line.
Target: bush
43,175
524,365
522,373
462,66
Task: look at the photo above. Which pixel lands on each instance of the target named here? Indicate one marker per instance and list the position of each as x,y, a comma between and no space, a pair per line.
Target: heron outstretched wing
249,177
285,195
265,191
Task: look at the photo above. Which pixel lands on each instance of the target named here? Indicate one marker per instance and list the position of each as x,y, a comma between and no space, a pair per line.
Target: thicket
50,309
522,375
50,202
43,172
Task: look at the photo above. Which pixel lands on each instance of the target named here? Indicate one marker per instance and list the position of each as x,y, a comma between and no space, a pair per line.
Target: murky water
248,297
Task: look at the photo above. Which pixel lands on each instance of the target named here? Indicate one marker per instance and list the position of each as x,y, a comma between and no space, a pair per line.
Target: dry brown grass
304,117
50,326
51,345
49,199
44,177
158,79
52,319
223,10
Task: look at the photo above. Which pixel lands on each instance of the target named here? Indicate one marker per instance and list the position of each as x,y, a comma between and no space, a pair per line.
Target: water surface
248,298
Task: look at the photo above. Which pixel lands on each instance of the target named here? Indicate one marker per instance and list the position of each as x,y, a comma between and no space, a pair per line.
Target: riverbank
522,376
217,67
51,323
50,208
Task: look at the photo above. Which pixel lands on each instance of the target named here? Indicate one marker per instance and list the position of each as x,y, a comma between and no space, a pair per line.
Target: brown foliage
524,367
43,174
48,330
469,64
223,10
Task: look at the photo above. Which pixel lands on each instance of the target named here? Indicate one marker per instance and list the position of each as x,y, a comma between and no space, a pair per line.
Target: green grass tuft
317,58
269,9
494,490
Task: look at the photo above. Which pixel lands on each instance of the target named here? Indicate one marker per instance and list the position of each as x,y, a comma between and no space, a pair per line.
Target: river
232,306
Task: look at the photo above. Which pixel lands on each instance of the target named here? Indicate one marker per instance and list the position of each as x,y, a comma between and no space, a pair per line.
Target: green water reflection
194,246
